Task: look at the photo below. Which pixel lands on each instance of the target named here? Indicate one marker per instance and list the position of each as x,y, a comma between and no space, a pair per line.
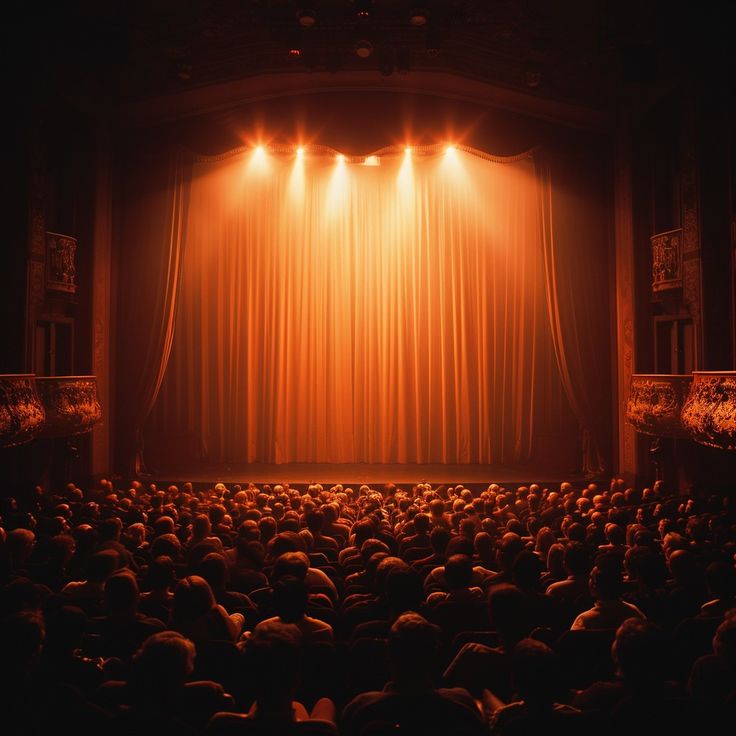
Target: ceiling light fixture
363,48
306,18
418,17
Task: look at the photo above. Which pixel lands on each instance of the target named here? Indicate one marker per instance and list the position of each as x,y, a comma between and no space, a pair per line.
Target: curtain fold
331,311
156,230
575,317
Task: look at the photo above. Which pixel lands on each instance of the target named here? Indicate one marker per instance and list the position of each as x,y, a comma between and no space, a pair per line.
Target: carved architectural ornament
655,404
21,412
61,268
667,260
709,413
71,404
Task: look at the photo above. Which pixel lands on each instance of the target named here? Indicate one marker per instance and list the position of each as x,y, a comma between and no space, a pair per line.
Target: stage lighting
450,149
340,158
295,51
371,161
418,17
300,152
407,151
363,9
363,48
306,18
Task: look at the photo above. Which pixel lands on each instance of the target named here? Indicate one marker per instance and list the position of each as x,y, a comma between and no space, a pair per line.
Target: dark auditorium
368,368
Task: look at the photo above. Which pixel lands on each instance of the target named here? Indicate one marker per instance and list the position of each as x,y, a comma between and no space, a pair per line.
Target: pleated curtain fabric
335,312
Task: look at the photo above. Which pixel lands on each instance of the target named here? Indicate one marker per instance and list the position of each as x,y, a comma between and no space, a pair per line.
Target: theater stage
472,476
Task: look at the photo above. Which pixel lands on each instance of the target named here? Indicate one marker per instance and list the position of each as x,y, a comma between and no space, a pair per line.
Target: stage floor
359,473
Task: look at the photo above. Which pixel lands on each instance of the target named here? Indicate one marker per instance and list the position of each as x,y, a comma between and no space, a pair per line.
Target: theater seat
586,656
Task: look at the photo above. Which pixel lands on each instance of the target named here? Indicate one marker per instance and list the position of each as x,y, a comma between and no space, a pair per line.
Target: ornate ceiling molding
227,95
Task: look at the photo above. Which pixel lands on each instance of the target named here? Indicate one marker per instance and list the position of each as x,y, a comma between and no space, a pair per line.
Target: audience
427,610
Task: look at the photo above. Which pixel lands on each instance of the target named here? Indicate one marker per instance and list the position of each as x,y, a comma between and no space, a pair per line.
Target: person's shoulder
363,701
317,623
458,695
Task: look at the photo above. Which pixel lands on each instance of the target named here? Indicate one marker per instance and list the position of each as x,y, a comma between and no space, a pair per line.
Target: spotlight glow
371,161
259,159
338,186
405,179
450,150
296,180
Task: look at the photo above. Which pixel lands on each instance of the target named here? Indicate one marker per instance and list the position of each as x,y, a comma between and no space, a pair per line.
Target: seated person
272,655
289,603
410,702
535,674
609,611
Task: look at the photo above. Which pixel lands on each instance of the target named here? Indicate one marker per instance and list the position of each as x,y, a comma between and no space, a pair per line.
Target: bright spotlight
450,149
300,152
407,151
340,158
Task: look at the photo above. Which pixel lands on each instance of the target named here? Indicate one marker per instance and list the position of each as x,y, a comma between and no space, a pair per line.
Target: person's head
421,523
527,571
193,598
535,672
413,644
201,526
615,534
121,593
545,539
436,508
102,565
19,544
683,566
511,545
724,641
161,667
109,530
161,574
315,521
404,590
640,652
721,579
267,527
290,596
163,525
384,568
371,547
458,572
213,568
577,559
606,582
556,561
273,652
61,549
167,545
292,564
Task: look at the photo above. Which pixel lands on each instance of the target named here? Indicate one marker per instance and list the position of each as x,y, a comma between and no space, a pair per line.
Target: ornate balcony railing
655,404
21,412
59,406
709,414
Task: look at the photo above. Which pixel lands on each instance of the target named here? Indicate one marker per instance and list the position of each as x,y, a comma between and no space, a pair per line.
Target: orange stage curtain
339,312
